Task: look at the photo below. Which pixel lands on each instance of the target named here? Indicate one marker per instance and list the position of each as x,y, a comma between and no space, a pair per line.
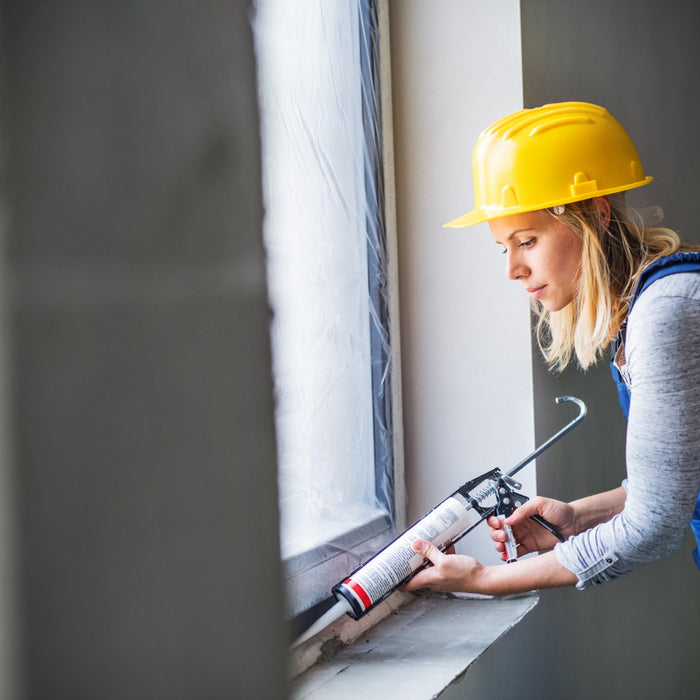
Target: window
327,268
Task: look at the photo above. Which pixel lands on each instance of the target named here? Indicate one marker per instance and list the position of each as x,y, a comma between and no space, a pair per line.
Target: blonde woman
550,182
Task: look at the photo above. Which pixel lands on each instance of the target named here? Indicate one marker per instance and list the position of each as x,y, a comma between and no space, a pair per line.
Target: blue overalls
678,262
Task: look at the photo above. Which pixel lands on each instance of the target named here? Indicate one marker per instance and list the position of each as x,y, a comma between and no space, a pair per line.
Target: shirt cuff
584,571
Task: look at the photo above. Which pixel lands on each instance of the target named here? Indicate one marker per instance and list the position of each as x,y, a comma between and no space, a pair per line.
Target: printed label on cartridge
397,562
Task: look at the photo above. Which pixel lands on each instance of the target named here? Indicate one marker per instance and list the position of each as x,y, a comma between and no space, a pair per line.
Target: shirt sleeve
663,438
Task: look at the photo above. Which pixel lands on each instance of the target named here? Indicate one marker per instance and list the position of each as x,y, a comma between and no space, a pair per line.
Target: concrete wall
637,637
138,450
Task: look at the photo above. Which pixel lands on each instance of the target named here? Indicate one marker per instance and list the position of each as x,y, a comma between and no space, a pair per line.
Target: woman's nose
515,269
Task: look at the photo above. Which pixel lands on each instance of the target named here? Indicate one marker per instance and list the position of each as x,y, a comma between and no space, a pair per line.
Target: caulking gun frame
352,594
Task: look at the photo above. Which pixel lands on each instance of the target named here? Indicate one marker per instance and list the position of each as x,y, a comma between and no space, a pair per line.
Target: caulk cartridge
394,565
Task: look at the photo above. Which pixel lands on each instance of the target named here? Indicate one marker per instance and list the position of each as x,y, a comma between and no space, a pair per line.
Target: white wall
467,384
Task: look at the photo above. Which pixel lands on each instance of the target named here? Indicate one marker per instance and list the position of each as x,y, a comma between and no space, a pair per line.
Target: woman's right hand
530,536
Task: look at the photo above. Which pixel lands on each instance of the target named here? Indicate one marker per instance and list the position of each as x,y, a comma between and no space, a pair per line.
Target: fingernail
419,545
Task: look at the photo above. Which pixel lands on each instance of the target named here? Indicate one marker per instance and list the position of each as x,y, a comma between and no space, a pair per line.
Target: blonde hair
613,256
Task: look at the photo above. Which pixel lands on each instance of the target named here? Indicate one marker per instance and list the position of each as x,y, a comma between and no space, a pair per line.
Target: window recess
329,266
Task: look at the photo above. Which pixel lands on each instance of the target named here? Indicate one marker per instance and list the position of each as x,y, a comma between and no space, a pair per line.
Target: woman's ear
603,206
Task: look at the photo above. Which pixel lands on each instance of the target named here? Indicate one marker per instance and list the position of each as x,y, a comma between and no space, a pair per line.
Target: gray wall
138,451
638,637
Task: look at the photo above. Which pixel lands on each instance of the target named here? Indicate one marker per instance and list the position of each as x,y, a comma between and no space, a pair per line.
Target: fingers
529,508
497,534
429,551
423,579
449,573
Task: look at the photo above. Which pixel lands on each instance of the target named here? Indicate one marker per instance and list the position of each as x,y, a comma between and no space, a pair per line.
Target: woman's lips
536,292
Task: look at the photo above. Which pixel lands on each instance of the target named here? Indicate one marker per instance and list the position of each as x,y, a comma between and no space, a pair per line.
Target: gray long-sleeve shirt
662,351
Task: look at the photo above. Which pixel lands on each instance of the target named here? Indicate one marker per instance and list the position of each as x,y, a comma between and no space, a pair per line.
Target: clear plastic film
326,259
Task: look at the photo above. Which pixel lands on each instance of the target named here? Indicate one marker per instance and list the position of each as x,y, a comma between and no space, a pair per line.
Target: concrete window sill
416,652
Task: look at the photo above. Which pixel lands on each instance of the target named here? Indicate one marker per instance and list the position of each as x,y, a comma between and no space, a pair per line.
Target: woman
550,182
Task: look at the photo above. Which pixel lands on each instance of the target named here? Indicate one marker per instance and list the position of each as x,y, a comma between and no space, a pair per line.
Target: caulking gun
492,493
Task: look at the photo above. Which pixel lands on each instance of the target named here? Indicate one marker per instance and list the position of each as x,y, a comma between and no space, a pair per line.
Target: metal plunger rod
581,415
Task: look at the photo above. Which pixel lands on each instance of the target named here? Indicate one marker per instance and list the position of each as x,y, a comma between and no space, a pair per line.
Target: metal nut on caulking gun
492,493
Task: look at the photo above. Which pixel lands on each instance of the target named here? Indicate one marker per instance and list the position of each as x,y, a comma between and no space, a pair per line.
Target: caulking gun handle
511,547
548,526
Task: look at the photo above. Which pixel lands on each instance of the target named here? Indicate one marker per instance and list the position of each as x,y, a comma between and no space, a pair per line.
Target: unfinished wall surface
637,637
141,414
9,630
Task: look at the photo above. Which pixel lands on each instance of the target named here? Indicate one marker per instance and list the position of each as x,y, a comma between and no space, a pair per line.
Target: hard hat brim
479,215
475,216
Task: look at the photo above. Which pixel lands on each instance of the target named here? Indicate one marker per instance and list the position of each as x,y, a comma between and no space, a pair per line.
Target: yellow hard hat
558,153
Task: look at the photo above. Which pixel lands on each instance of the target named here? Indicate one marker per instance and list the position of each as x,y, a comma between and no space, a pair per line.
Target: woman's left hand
450,573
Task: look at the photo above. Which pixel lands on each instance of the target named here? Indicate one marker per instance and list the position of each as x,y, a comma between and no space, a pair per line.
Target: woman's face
541,252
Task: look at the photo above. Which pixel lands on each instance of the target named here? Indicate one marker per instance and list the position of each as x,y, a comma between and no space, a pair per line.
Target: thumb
428,550
528,509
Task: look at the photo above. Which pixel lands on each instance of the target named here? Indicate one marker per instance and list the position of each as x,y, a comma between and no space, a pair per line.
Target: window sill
429,642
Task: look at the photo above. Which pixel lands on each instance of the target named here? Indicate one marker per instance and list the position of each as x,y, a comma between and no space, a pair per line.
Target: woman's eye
527,244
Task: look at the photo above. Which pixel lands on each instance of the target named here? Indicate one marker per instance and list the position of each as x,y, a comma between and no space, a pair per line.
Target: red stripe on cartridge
360,592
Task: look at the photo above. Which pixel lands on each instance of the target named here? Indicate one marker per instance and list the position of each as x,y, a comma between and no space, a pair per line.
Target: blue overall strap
671,264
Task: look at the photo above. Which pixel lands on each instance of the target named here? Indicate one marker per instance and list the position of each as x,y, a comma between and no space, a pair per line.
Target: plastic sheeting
324,237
